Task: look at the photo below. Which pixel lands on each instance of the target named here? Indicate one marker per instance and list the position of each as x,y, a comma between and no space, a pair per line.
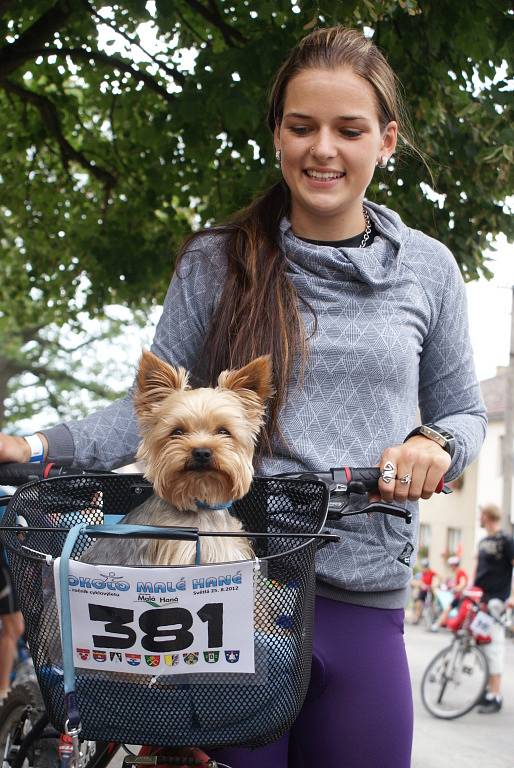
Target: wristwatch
438,434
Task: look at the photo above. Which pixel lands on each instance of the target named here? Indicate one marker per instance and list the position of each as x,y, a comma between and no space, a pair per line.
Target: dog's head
198,444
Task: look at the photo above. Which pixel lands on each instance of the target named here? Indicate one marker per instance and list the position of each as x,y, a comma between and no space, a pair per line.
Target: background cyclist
494,577
457,582
424,583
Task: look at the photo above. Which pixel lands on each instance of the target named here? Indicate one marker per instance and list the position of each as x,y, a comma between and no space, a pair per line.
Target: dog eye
176,432
223,431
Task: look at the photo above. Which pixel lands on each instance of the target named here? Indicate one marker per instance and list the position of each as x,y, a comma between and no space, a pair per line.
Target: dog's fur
198,446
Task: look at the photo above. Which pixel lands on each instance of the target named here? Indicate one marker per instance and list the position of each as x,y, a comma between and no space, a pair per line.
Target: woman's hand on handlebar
13,448
420,462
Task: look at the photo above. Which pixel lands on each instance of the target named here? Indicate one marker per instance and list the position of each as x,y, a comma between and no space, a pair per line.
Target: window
454,541
501,444
424,537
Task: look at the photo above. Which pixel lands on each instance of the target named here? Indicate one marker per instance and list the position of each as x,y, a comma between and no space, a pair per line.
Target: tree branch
30,43
50,117
196,34
100,20
61,377
12,54
31,332
82,54
100,337
229,34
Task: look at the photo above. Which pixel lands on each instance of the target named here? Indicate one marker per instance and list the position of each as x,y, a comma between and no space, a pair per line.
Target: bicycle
455,680
437,600
284,516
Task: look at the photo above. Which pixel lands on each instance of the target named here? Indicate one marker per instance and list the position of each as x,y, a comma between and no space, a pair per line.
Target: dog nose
202,455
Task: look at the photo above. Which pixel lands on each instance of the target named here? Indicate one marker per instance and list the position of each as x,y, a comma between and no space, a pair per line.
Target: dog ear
256,377
155,380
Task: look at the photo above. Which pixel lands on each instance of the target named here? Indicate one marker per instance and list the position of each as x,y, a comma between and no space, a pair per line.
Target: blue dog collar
212,507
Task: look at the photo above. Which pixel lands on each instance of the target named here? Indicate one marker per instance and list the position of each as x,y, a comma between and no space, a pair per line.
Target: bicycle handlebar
353,479
15,474
349,479
341,482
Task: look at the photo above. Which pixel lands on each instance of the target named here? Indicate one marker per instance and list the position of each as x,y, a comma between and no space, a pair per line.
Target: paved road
472,741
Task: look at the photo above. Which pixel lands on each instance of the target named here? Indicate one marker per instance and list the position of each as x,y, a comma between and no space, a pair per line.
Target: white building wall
490,481
483,483
456,510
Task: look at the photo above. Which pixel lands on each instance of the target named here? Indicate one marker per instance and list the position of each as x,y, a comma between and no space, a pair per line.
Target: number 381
164,629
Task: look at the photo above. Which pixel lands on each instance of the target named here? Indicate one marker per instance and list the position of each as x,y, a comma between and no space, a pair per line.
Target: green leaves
112,142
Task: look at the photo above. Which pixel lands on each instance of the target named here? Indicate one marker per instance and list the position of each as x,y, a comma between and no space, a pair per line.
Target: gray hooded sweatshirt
391,336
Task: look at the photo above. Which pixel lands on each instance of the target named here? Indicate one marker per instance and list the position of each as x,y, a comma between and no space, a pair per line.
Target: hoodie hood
376,265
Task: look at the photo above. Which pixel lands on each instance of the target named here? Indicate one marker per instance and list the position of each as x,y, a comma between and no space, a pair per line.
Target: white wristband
37,449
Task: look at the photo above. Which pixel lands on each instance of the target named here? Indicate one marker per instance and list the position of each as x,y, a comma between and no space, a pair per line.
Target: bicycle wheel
455,680
25,739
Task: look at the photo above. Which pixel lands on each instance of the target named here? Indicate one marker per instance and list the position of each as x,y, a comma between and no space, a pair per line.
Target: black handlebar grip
12,473
19,474
367,476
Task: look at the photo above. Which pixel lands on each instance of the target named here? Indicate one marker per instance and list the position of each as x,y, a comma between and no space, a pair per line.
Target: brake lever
338,504
389,509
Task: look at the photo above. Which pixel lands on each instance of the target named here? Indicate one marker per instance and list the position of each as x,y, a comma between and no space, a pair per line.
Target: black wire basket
217,709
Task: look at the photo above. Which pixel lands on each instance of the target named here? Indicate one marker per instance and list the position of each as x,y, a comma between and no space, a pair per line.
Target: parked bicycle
285,518
455,680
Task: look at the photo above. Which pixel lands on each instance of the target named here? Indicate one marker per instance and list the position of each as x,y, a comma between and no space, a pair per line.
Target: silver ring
388,473
405,480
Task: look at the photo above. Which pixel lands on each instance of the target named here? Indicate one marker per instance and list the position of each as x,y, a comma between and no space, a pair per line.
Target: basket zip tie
74,734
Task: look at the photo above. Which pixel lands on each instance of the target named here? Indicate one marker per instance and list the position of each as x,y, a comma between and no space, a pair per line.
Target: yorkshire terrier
198,447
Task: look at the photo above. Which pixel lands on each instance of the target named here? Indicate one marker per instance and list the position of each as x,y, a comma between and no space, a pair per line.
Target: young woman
365,319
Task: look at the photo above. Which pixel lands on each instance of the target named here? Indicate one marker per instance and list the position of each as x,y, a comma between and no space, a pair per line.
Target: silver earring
382,162
313,148
278,155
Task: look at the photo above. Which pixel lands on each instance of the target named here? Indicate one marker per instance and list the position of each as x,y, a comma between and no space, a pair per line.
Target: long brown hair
259,311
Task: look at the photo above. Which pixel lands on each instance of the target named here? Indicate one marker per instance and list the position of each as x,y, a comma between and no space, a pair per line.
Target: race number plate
161,620
482,624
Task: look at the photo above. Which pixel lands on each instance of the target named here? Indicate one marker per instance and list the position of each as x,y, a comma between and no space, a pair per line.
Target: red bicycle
455,680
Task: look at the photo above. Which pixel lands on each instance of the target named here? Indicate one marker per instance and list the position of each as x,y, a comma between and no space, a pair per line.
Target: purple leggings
358,710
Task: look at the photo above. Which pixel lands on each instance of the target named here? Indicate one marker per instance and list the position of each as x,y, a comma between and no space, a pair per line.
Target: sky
489,309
